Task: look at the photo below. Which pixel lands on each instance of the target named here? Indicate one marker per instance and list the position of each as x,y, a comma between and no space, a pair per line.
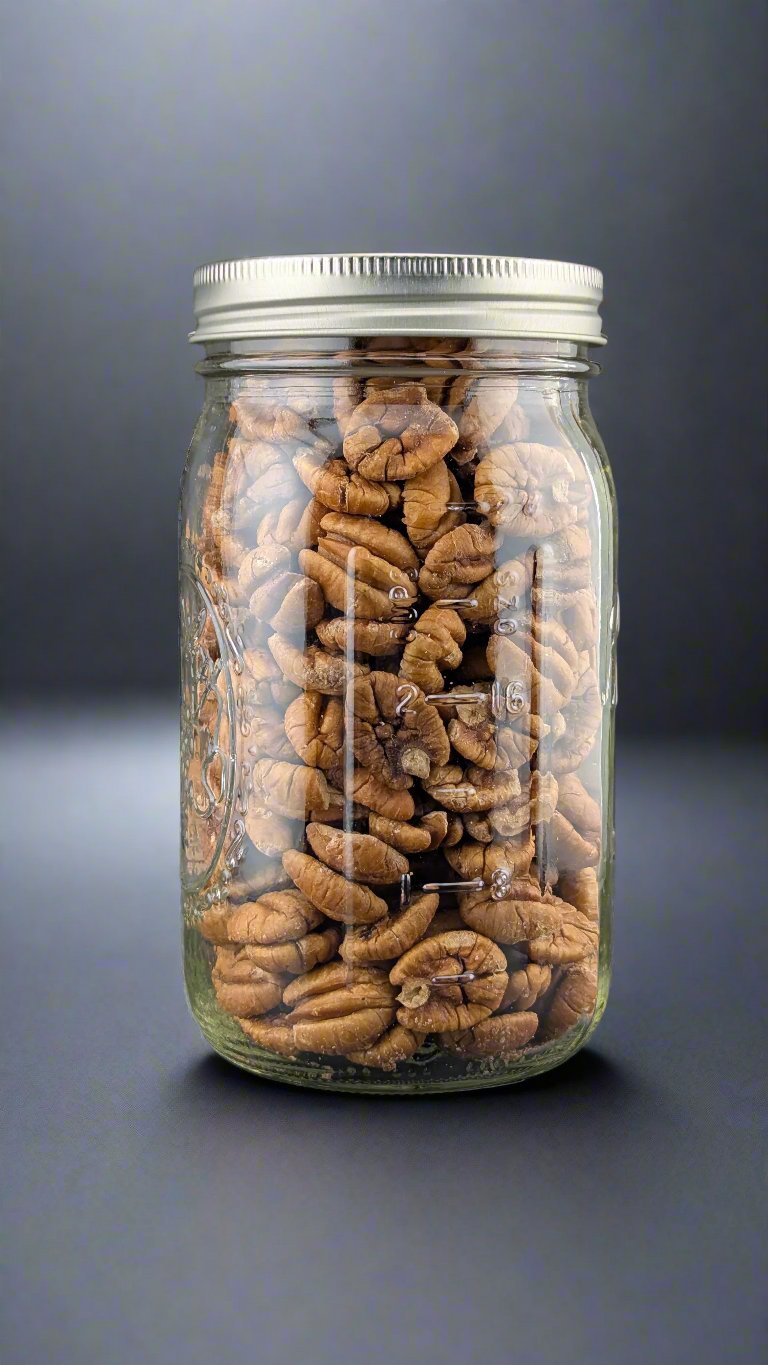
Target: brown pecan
543,667
398,1044
338,898
485,404
459,558
314,724
261,727
255,876
551,931
295,525
582,890
338,1009
386,544
300,955
396,732
576,825
367,789
277,917
472,790
289,602
500,593
534,806
582,718
360,857
312,668
564,560
269,832
357,582
291,789
260,416
503,860
273,1032
476,978
425,506
390,937
397,434
527,985
340,491
260,564
574,999
530,490
428,834
434,644
501,1036
242,987
379,639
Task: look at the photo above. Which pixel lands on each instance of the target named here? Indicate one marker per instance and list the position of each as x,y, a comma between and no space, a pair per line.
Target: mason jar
398,620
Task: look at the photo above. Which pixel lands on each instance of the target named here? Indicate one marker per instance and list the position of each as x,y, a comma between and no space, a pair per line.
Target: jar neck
406,356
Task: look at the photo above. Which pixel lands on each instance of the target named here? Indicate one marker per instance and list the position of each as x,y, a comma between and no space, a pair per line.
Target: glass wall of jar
398,619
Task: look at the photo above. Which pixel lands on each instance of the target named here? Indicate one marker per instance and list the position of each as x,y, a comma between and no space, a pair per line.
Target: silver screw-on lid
397,295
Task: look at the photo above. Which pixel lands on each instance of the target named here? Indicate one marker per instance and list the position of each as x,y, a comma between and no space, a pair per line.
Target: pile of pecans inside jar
408,571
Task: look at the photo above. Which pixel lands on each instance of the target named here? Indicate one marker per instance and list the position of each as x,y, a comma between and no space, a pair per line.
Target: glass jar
398,620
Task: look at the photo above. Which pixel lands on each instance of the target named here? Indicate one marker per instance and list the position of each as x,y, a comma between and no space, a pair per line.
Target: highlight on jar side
396,720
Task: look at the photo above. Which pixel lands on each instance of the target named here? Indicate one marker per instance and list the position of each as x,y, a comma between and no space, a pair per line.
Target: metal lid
397,295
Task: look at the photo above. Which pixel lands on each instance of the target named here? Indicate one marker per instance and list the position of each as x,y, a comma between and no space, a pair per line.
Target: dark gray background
144,138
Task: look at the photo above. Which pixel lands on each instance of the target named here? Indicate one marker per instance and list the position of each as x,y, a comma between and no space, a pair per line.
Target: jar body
398,616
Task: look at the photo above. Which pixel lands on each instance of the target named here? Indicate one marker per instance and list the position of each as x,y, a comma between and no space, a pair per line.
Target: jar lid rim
395,293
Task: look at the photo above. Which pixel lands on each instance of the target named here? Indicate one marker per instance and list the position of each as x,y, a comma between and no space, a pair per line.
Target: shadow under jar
398,618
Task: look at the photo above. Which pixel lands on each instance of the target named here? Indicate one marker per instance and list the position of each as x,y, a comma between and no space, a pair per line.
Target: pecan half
340,491
459,558
270,833
277,917
529,489
472,790
390,937
312,668
338,1009
360,857
509,858
290,602
428,834
574,1000
431,1004
576,825
501,1036
582,718
386,544
434,644
241,986
314,724
291,789
425,506
274,1032
379,639
582,890
551,931
298,956
398,1044
527,985
485,404
357,582
396,732
397,434
339,899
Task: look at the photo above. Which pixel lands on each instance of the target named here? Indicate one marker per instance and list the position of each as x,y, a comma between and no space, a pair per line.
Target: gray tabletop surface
160,1206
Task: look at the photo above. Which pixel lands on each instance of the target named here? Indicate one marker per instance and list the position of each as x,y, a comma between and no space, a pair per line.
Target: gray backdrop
144,138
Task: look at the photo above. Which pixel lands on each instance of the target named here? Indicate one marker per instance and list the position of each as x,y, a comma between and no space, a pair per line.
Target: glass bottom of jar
430,1071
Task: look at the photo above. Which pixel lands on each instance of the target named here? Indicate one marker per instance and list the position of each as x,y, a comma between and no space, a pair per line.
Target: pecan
360,857
255,876
397,434
459,558
398,1044
428,1004
298,956
312,668
277,917
390,546
527,985
273,1032
574,999
428,834
295,525
501,1036
534,806
260,564
339,1009
473,790
551,931
268,832
367,789
242,987
485,404
485,744
425,506
542,665
576,825
505,859
581,889
261,727
376,638
291,789
289,602
433,644
356,581
339,491
582,718
396,732
390,937
499,593
314,724
565,560
530,490
258,417
338,898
